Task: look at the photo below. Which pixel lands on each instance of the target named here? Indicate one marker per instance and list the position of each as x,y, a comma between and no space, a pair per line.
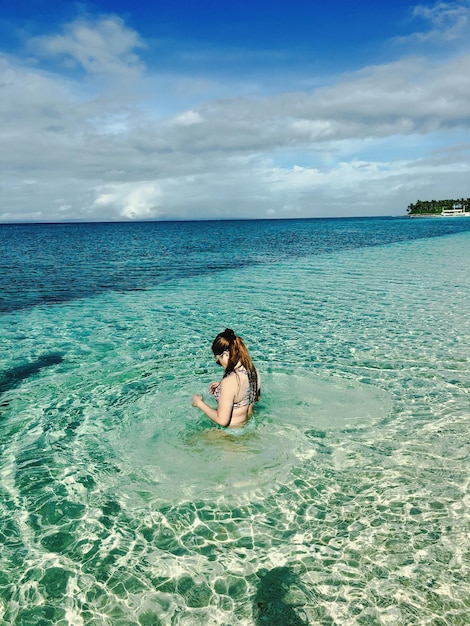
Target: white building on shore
455,211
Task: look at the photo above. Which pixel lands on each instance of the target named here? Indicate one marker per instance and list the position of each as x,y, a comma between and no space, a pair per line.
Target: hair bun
229,334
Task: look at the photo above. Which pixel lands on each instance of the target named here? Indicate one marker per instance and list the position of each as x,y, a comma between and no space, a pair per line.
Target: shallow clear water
346,501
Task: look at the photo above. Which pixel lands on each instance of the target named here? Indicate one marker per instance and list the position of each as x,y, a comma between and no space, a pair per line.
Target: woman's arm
223,414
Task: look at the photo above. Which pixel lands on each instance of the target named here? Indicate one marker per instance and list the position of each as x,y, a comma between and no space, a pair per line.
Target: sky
201,109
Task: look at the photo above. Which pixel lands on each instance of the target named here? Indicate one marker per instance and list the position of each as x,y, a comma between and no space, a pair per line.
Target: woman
239,388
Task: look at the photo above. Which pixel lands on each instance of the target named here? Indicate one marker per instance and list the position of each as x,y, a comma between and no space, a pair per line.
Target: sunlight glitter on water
346,503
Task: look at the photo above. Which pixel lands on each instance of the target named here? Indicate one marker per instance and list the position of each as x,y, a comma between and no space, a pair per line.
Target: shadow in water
273,604
10,379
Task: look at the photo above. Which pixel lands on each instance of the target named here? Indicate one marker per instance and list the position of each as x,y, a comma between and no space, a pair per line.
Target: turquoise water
346,502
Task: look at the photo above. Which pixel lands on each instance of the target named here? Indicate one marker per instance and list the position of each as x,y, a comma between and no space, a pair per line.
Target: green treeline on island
435,207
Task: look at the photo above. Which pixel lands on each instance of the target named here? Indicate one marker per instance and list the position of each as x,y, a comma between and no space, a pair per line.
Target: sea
346,500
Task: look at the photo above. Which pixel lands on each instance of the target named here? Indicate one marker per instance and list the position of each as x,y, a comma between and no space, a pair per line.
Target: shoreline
434,215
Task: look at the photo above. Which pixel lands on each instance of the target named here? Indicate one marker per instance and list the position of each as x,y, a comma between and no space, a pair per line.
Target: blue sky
202,109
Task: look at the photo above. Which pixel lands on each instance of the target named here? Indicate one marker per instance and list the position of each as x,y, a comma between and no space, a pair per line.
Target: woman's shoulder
229,377
233,377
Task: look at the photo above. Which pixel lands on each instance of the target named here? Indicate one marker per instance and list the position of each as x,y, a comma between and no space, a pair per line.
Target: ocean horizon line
202,219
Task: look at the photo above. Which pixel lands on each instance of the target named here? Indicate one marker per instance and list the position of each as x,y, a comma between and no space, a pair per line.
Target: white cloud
94,148
104,47
130,200
449,21
444,27
188,118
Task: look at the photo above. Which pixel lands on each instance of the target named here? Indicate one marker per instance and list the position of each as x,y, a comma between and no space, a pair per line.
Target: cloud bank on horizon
103,121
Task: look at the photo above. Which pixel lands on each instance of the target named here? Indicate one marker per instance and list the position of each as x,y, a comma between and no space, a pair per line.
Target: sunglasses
218,357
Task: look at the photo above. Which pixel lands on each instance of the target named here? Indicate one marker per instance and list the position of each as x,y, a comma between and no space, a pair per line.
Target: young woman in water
239,388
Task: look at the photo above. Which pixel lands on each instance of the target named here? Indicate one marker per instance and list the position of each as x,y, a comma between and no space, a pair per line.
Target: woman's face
222,359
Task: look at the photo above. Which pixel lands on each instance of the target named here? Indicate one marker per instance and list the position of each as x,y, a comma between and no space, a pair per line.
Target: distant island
440,207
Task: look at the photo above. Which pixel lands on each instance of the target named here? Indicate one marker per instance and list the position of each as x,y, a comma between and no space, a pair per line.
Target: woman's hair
229,342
